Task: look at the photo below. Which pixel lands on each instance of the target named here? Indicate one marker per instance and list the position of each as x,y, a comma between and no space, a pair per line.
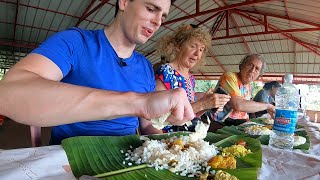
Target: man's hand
271,110
175,101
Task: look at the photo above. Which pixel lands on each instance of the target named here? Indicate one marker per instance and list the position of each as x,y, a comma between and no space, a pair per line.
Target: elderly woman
184,49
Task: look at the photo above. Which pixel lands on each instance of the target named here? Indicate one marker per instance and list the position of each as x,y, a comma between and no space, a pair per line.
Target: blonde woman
184,49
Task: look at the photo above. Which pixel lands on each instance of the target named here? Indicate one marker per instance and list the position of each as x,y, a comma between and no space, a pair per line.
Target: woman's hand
214,100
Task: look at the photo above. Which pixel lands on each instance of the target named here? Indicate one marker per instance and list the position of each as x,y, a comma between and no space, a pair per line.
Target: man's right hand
271,110
161,102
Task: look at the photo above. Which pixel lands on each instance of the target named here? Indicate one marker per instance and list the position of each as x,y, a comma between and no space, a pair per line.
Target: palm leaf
96,155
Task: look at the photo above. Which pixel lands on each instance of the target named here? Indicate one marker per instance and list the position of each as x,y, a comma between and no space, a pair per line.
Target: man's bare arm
249,106
31,94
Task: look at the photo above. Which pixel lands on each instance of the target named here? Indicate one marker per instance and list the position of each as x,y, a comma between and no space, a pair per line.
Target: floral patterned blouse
172,79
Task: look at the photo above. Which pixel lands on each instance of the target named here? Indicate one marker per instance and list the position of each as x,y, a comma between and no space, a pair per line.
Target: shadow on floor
14,135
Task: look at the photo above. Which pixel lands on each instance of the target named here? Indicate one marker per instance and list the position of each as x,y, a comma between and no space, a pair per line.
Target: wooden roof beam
217,61
16,20
280,16
275,31
15,44
84,16
284,33
203,75
239,31
224,8
197,6
85,12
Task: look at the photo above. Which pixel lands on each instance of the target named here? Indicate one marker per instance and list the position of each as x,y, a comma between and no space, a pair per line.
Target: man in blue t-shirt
93,82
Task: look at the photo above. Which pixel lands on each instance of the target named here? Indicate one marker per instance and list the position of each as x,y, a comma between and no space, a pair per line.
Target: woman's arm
204,101
209,101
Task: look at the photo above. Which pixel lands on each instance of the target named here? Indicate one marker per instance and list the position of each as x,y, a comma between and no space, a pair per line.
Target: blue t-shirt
86,58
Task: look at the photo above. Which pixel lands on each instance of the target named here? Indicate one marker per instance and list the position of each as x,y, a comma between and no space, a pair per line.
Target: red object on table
2,119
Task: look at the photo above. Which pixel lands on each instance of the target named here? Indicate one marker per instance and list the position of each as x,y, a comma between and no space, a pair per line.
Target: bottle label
285,120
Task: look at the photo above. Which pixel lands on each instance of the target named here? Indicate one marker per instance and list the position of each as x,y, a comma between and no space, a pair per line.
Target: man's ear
123,4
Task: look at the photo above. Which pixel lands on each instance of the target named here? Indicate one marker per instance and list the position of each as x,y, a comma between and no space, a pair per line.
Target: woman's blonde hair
168,46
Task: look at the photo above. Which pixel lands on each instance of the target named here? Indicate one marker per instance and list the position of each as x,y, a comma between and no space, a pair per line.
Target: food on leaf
268,121
299,140
241,142
236,151
160,123
201,130
224,162
177,154
222,175
257,130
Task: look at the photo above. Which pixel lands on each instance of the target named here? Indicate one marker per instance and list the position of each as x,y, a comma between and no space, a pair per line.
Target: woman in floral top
183,50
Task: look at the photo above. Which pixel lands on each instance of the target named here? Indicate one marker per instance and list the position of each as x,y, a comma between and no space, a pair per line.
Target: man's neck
122,46
239,77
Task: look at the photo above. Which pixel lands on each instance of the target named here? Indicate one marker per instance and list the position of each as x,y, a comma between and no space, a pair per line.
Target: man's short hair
252,56
117,7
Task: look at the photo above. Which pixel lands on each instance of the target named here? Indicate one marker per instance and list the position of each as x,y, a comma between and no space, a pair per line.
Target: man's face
142,18
250,71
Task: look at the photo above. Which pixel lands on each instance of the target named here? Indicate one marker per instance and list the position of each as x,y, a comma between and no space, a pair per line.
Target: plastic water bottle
287,104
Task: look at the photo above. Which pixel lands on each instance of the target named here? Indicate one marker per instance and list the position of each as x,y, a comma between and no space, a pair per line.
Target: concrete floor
14,135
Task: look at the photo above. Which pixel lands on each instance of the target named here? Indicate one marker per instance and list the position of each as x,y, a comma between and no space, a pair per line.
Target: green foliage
204,85
256,87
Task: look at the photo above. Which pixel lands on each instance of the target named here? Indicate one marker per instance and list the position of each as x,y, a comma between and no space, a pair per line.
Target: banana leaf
260,121
92,155
264,139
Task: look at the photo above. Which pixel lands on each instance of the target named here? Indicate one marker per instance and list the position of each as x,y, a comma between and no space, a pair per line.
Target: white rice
257,130
189,162
268,121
